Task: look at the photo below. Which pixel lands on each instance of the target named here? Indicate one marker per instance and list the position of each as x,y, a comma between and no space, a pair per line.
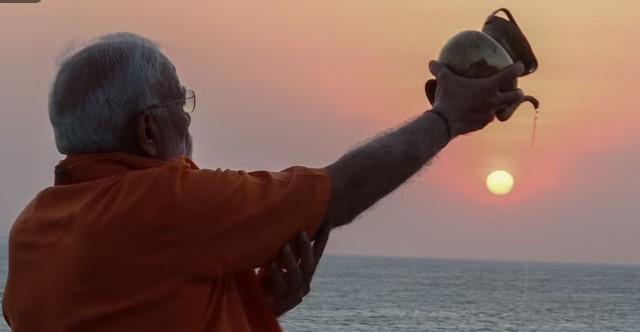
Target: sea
356,293
351,293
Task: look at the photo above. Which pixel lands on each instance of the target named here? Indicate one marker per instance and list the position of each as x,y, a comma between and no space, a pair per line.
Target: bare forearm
370,172
363,176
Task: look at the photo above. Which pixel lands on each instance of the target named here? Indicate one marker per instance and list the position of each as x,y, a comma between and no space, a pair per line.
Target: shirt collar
79,168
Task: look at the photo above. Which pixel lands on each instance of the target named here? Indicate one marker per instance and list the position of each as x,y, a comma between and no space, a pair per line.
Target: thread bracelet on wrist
446,122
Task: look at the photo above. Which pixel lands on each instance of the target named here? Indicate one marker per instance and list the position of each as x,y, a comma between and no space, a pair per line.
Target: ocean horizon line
486,260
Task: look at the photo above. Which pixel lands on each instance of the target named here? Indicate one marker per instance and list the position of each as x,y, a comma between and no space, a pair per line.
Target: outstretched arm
363,176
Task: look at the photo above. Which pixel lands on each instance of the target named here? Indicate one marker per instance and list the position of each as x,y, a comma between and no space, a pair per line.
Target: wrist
440,124
456,129
445,121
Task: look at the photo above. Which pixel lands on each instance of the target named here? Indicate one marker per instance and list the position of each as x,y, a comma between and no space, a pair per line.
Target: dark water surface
399,294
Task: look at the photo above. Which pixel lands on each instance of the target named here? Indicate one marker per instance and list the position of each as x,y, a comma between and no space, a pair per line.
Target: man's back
116,247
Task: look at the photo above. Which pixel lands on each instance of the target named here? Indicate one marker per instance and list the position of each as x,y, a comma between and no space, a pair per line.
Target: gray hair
99,90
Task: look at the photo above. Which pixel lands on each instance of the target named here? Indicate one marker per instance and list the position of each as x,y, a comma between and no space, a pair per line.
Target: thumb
430,89
438,68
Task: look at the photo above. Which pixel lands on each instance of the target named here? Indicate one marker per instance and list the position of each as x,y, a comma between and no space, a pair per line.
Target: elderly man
133,236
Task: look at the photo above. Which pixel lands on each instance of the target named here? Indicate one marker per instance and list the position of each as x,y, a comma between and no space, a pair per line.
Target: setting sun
500,182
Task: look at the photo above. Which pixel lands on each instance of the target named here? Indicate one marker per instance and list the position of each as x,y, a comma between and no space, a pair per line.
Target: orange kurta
124,243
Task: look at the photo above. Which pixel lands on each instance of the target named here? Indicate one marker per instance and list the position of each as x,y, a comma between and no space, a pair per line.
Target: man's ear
148,130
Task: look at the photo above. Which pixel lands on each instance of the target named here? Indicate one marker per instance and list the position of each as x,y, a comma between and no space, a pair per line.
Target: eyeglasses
188,102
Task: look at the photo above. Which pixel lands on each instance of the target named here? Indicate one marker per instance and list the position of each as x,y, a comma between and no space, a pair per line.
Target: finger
307,263
285,306
322,237
505,113
509,74
277,279
294,276
438,68
290,303
510,97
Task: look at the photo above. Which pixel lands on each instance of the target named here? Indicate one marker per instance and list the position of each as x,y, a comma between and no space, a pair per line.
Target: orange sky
301,82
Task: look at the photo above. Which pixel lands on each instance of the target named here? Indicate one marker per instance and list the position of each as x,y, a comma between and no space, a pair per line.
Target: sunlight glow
500,182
